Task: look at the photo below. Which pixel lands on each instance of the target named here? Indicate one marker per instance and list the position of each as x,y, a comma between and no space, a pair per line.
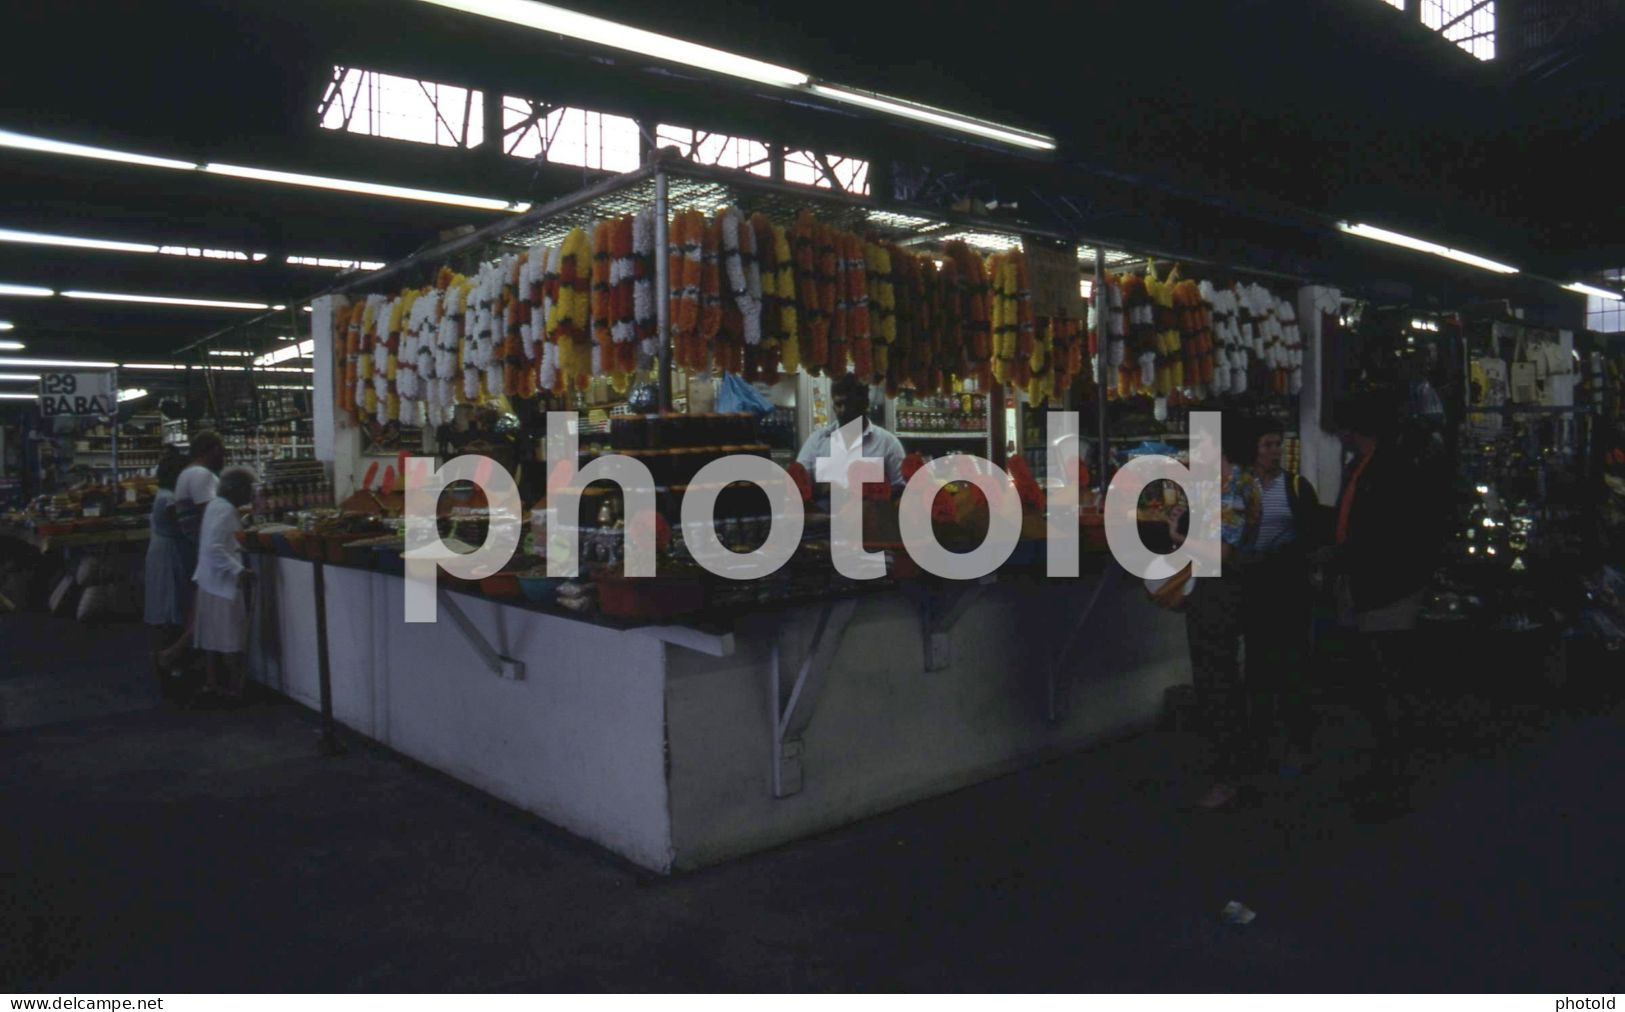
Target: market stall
683,719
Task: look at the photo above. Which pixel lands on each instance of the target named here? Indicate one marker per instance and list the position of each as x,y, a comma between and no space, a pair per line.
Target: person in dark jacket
1385,547
1277,601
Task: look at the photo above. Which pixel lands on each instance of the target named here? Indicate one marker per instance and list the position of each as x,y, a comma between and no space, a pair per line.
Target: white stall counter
676,747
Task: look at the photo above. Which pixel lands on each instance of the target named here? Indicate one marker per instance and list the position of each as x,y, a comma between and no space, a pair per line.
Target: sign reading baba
846,473
69,394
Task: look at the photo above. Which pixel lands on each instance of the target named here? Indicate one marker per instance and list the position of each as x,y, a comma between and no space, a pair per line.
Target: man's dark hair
1371,413
206,442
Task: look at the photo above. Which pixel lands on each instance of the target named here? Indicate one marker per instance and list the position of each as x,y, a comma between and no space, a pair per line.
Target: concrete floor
146,848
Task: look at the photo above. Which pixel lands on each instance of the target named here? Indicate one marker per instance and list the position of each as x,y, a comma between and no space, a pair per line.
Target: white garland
733,264
643,289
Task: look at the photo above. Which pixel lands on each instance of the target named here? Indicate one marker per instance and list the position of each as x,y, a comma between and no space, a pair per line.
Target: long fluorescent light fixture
56,363
361,186
166,300
575,25
1422,245
19,397
614,35
45,145
24,142
7,325
45,239
18,377
934,116
1601,293
120,246
28,291
11,346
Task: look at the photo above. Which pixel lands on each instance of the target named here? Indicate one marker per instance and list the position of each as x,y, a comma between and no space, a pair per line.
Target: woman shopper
1276,608
221,626
1213,622
193,489
168,580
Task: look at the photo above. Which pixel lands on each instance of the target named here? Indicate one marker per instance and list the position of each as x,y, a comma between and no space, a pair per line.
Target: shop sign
69,394
1055,281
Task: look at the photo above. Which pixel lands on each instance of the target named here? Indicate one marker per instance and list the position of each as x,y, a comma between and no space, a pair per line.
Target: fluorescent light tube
44,239
575,25
24,142
359,186
1424,246
1601,293
19,397
26,290
230,353
7,325
336,262
18,377
153,366
11,346
934,116
165,300
56,363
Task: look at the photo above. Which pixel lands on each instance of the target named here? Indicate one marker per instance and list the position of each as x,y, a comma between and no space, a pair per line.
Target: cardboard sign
70,394
1054,277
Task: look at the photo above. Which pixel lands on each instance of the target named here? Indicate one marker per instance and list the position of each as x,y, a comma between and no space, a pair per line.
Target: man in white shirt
851,401
196,485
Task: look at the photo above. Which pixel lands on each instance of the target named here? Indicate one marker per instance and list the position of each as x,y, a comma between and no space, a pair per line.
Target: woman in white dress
222,620
168,581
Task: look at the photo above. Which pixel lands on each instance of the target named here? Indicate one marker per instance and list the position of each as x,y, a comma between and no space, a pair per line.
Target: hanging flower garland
567,327
882,309
905,294
948,348
602,338
710,291
622,302
814,325
855,288
644,310
363,398
516,374
387,359
763,363
1002,318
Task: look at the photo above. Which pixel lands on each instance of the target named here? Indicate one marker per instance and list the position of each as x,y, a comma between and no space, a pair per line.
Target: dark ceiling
1236,130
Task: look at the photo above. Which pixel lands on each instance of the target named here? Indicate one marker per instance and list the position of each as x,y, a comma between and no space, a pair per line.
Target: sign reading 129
77,393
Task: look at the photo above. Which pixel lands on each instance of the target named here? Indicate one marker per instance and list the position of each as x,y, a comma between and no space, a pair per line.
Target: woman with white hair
222,620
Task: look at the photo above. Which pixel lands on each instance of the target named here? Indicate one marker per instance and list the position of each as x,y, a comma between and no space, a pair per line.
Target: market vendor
850,396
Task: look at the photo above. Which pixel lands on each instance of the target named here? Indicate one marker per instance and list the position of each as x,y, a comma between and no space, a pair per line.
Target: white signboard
65,394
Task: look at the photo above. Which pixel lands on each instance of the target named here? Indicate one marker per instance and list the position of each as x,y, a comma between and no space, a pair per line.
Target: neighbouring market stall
684,719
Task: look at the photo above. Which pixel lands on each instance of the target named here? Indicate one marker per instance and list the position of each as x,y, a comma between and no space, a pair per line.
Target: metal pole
1103,325
663,288
115,438
329,743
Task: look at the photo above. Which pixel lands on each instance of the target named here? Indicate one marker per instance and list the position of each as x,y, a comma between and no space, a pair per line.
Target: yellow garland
785,286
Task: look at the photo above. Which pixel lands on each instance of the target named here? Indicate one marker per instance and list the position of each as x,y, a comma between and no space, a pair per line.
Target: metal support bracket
499,664
793,703
940,611
1058,687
